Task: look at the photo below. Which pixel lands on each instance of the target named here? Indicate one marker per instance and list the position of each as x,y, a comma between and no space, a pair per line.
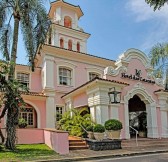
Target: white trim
94,70
37,111
140,91
67,65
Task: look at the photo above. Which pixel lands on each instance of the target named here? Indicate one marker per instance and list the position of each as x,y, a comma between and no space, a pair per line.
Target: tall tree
31,17
159,61
157,4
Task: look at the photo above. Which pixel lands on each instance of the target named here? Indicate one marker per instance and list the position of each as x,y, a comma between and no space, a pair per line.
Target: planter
90,135
142,134
111,134
103,145
99,136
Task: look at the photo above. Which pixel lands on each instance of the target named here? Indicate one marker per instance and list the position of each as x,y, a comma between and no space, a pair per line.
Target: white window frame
68,79
23,72
94,70
63,110
27,114
67,65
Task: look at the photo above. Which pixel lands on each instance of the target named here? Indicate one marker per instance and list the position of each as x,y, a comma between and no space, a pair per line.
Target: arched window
70,44
28,113
65,76
78,47
93,75
61,43
67,22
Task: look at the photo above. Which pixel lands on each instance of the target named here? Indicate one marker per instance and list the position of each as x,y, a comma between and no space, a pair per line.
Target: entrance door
137,116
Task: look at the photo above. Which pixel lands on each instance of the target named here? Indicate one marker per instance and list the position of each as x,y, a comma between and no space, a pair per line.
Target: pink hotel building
63,79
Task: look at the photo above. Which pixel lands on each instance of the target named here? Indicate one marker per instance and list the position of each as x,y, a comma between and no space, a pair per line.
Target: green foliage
31,17
159,60
33,152
75,122
99,128
22,123
90,128
113,124
157,4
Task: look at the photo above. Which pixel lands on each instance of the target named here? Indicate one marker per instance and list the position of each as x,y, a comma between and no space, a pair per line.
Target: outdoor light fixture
114,96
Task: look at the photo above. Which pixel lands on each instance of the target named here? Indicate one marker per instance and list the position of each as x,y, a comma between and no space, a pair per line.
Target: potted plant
89,130
113,128
99,132
22,123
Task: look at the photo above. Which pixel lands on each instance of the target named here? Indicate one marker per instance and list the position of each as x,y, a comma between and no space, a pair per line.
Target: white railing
136,134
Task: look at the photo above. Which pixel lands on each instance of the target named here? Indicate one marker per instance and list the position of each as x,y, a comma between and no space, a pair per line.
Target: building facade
67,77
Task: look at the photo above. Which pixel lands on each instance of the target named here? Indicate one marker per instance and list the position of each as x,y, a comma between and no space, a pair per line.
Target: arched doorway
137,116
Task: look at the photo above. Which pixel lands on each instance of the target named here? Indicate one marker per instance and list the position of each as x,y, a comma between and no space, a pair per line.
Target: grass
27,153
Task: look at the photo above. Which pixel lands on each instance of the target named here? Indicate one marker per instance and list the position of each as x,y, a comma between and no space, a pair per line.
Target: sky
117,25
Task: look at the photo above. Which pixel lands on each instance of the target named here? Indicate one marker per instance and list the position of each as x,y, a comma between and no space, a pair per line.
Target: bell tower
65,32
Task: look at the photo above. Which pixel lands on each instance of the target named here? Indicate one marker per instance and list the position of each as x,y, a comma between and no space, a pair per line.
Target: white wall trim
37,111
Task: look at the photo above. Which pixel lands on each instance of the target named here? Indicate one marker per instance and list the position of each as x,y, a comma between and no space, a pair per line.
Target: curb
103,156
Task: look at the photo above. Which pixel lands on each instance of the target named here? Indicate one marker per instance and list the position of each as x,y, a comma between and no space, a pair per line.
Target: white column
58,14
164,122
127,132
93,113
114,111
152,125
66,43
101,114
74,46
48,72
56,40
50,112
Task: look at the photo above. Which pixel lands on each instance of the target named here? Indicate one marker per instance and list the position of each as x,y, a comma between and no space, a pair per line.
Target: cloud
142,12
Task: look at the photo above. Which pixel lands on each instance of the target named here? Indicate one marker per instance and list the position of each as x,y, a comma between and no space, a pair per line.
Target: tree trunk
14,47
13,112
166,81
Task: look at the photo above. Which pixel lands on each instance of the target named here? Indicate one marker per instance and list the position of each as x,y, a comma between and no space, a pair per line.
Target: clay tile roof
96,78
161,90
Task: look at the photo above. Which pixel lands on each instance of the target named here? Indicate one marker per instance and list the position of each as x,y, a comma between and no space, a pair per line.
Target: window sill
67,86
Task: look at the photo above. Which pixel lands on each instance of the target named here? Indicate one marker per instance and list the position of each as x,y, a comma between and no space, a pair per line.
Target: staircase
77,143
145,142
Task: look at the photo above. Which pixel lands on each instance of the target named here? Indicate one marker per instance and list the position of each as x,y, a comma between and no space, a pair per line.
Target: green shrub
22,123
89,128
113,124
99,128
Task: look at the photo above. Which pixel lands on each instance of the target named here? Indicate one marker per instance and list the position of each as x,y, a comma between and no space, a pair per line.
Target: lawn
27,153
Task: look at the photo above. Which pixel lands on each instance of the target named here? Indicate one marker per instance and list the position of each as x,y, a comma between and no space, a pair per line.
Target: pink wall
80,100
57,140
36,85
35,77
29,136
41,106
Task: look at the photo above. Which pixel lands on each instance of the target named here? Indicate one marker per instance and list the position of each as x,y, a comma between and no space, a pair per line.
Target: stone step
81,143
77,143
78,147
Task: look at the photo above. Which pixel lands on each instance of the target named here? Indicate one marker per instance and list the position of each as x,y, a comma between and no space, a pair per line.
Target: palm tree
31,17
159,61
157,4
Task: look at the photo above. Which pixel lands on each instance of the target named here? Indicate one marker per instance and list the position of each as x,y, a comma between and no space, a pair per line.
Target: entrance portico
152,127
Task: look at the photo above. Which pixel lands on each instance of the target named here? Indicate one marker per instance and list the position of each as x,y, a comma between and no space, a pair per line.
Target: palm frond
5,41
156,4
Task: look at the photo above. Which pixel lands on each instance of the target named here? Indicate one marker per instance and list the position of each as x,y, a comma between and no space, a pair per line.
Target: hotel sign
137,76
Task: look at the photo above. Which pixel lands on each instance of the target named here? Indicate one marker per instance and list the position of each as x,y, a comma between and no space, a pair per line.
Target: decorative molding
114,72
139,90
134,54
